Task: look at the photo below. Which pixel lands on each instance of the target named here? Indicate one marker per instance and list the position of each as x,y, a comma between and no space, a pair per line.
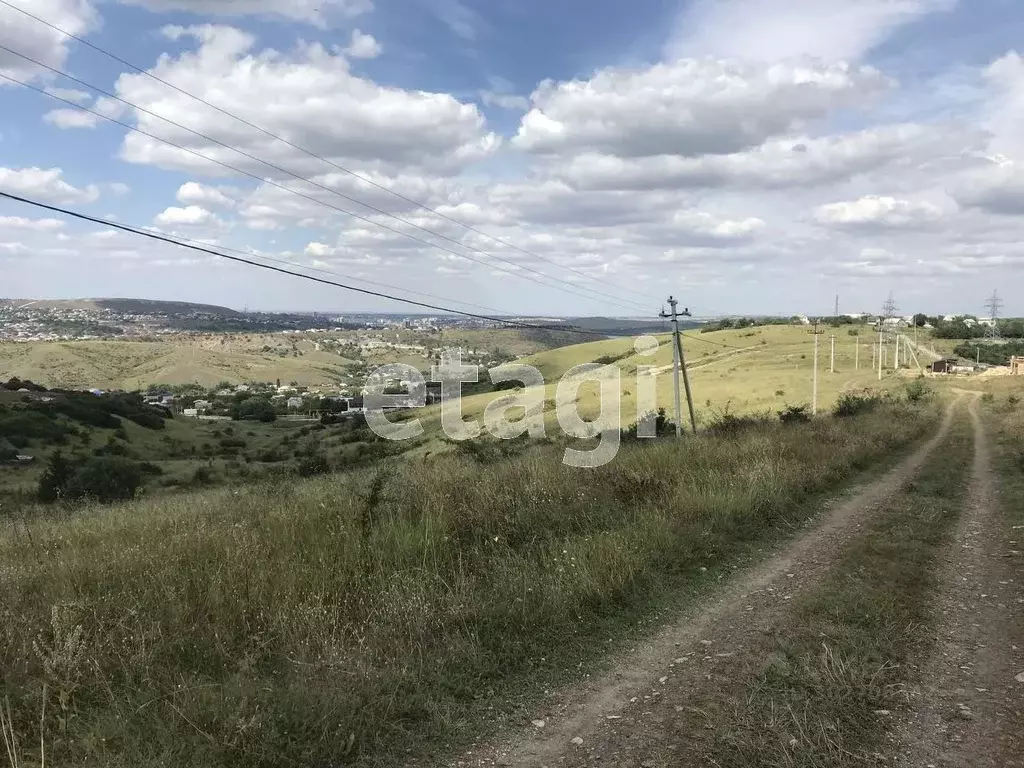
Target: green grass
359,619
849,646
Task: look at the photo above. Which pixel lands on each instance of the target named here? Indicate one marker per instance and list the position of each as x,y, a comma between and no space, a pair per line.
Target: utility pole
874,350
896,358
814,385
856,353
881,351
679,364
836,315
832,367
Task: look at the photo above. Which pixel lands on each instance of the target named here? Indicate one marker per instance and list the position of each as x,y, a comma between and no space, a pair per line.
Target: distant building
202,405
294,403
945,365
193,412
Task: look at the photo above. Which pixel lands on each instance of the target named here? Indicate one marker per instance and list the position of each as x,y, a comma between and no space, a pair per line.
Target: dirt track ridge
968,710
606,718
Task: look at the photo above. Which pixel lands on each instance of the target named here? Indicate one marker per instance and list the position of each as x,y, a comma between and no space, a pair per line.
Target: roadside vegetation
365,617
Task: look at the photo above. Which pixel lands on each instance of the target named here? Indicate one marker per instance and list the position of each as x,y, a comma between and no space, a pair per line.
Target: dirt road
640,712
968,709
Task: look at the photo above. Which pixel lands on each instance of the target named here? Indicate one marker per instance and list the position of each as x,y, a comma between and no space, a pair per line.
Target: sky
521,157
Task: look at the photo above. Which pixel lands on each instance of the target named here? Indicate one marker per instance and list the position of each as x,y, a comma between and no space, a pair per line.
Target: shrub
315,464
1012,401
850,404
662,425
918,391
988,397
102,478
203,476
794,414
7,450
727,423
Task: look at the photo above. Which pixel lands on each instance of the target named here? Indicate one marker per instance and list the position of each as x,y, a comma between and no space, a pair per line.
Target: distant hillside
615,326
131,306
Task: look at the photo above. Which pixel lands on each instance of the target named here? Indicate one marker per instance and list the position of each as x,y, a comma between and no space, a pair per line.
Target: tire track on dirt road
968,709
609,719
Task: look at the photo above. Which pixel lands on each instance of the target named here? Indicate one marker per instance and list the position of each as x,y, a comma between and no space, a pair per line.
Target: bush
662,425
316,464
794,414
101,478
728,423
918,391
7,450
850,404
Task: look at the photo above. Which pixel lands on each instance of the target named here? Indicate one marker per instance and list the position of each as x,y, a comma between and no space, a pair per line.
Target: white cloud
70,94
36,225
46,45
770,30
71,118
796,161
192,193
45,185
878,211
190,216
308,96
363,46
687,108
311,11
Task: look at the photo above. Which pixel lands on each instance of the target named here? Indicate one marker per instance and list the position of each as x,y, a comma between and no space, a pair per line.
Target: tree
7,451
105,479
53,485
253,409
920,320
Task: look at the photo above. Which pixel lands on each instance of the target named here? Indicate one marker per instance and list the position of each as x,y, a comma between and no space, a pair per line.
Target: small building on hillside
1017,365
945,365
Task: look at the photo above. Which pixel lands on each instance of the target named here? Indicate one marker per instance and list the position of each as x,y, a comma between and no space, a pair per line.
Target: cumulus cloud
363,46
35,225
194,194
797,161
687,108
38,41
877,211
190,216
71,118
308,96
311,11
45,185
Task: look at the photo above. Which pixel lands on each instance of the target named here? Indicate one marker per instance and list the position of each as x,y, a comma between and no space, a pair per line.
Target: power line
295,176
309,153
250,262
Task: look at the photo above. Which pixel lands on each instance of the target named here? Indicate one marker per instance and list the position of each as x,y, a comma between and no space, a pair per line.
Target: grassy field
363,618
209,359
754,370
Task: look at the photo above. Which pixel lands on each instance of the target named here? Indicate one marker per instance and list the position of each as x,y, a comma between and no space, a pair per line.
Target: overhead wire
629,303
379,294
309,153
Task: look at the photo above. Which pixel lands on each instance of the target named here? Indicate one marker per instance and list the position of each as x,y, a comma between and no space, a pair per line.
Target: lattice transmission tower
993,304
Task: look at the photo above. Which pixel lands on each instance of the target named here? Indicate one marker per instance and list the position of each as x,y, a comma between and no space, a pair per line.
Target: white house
294,403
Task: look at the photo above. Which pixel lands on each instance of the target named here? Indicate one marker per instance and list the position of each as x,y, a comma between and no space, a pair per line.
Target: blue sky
750,155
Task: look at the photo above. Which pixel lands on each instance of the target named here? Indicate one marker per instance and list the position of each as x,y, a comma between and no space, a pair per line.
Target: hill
140,306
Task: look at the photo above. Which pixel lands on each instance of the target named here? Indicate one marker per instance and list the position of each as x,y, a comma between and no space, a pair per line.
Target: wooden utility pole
832,365
856,353
814,378
679,364
881,349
